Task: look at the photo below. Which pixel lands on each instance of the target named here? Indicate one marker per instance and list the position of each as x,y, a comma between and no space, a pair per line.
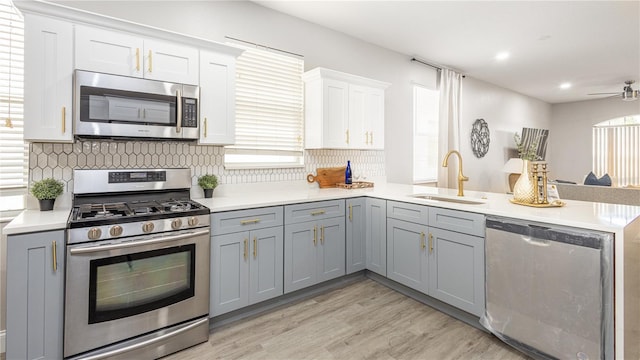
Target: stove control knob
94,233
115,230
193,221
147,227
176,224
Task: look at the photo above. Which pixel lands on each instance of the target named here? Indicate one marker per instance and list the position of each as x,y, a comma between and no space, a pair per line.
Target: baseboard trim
3,336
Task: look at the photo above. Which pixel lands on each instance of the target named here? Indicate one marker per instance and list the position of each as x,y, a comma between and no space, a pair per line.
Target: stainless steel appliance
137,265
119,106
549,289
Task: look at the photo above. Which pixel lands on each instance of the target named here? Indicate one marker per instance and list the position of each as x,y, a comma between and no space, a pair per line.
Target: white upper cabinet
217,98
343,111
48,79
119,53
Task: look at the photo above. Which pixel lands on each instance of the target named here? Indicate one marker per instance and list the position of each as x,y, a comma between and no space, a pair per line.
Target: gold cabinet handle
54,255
317,212
64,117
246,248
137,59
322,235
150,61
315,235
430,243
366,136
250,221
371,141
350,213
255,247
205,127
422,244
347,136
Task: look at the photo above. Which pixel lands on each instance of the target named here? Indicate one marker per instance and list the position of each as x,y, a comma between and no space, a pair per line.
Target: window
425,134
269,111
616,150
13,150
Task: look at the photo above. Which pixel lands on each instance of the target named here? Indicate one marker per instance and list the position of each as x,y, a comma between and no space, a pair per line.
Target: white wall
570,138
506,113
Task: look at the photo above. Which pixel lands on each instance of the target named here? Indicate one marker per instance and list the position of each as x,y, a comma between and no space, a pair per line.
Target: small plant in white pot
46,191
208,183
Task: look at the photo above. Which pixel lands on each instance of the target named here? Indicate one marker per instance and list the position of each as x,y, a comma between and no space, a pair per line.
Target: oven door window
127,107
128,285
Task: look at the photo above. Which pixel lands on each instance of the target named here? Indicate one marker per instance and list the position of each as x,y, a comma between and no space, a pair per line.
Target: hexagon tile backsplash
59,161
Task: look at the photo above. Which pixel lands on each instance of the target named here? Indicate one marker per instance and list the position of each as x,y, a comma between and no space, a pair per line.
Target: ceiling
594,45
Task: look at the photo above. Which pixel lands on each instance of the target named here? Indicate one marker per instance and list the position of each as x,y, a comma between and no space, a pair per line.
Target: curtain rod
264,46
439,68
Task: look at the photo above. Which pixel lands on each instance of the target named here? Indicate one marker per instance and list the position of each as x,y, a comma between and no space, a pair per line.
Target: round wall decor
480,138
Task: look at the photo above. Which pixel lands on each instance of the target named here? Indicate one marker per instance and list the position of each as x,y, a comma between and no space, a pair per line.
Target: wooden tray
555,203
328,177
355,185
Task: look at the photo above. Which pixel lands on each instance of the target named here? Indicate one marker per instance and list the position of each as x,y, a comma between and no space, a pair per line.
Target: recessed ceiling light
504,55
565,85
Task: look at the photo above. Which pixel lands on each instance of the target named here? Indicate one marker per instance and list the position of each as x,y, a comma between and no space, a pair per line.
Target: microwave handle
179,111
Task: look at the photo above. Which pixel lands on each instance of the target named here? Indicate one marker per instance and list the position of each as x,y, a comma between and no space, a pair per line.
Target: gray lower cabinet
376,235
407,254
35,295
456,269
356,234
246,266
314,251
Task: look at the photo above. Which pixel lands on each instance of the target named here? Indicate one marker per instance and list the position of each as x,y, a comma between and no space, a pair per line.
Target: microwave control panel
189,112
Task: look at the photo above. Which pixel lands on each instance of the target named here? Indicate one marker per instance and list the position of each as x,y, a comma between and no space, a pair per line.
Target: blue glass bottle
348,179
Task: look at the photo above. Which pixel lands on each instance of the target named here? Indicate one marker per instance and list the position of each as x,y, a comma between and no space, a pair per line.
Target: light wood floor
364,320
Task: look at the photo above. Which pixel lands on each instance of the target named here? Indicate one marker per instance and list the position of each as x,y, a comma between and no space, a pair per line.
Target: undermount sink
452,199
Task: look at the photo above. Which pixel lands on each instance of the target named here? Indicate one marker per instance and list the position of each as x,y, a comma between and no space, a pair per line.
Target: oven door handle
91,249
146,342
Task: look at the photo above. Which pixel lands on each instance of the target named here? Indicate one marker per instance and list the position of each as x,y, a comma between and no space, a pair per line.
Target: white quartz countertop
587,215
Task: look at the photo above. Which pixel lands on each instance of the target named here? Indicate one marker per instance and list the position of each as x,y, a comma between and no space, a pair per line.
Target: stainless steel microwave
112,106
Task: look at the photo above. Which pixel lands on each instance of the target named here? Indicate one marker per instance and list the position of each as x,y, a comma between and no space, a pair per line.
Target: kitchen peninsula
622,221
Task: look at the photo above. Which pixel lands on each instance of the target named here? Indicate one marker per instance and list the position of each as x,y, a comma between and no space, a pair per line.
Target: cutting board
328,177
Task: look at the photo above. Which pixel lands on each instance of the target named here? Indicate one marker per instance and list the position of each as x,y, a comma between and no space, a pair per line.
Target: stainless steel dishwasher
549,289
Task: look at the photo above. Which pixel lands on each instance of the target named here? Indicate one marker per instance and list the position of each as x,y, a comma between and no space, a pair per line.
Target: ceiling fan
627,94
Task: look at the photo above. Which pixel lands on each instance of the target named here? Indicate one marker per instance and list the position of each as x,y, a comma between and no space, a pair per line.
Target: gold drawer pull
350,212
315,235
246,248
255,247
317,212
322,235
250,221
430,243
422,244
54,255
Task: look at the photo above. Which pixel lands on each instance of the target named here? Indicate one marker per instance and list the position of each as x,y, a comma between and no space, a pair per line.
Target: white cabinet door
266,269
229,272
374,117
217,98
110,52
331,252
358,131
335,109
167,61
407,254
48,79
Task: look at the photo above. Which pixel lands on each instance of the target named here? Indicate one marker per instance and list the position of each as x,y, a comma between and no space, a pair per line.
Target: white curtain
449,129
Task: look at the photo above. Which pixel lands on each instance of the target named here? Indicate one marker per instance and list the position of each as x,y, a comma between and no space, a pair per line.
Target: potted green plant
46,191
208,183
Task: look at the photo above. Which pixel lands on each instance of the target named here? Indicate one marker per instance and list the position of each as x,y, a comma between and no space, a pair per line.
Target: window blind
269,110
616,151
13,150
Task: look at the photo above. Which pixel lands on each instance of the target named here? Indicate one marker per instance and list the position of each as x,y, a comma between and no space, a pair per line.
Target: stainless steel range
137,280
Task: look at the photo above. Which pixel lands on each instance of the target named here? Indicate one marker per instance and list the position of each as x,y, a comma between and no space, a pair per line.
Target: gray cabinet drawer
408,212
459,221
313,211
243,220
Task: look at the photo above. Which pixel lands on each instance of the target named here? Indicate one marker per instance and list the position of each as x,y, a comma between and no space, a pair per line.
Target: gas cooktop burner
134,210
174,206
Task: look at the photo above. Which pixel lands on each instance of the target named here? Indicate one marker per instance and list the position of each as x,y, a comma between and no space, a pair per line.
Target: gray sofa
605,194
